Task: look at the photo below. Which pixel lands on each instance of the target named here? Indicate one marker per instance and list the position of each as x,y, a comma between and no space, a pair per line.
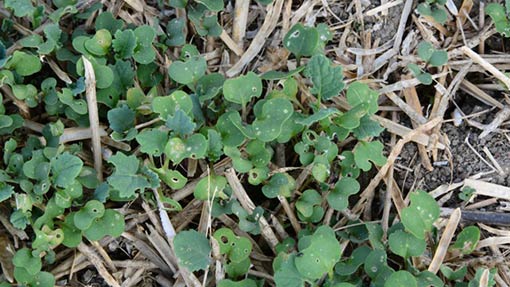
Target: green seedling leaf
79,106
232,130
360,93
24,259
173,178
235,270
125,178
366,152
188,72
424,77
242,89
434,10
21,8
259,154
280,184
307,201
432,56
84,218
467,240
168,105
351,265
319,116
427,278
450,274
279,75
105,20
240,164
477,281
497,13
258,175
338,198
209,86
327,79
405,244
215,146
375,263
243,283
24,64
6,191
194,147
65,168
144,52
3,55
275,112
287,275
321,255
301,40
100,43
124,43
367,128
178,3
152,142
211,187
175,31
180,123
401,279
121,119
193,250
420,216
212,5
111,223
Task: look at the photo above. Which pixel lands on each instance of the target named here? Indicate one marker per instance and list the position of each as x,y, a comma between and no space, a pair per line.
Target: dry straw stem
98,264
501,116
90,92
487,66
248,204
260,39
445,241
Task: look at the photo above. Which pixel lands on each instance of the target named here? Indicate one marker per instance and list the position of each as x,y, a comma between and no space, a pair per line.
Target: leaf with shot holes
301,40
79,106
467,240
168,105
175,31
376,263
173,178
366,152
152,141
84,218
269,125
193,147
259,154
327,79
111,223
420,216
338,198
65,168
100,43
242,89
188,72
321,254
258,175
427,278
237,248
280,184
211,187
360,93
405,244
193,250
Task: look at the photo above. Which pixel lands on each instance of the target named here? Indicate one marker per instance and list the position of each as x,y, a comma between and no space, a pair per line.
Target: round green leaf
467,240
242,89
420,216
405,244
193,250
401,279
301,40
188,72
338,198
